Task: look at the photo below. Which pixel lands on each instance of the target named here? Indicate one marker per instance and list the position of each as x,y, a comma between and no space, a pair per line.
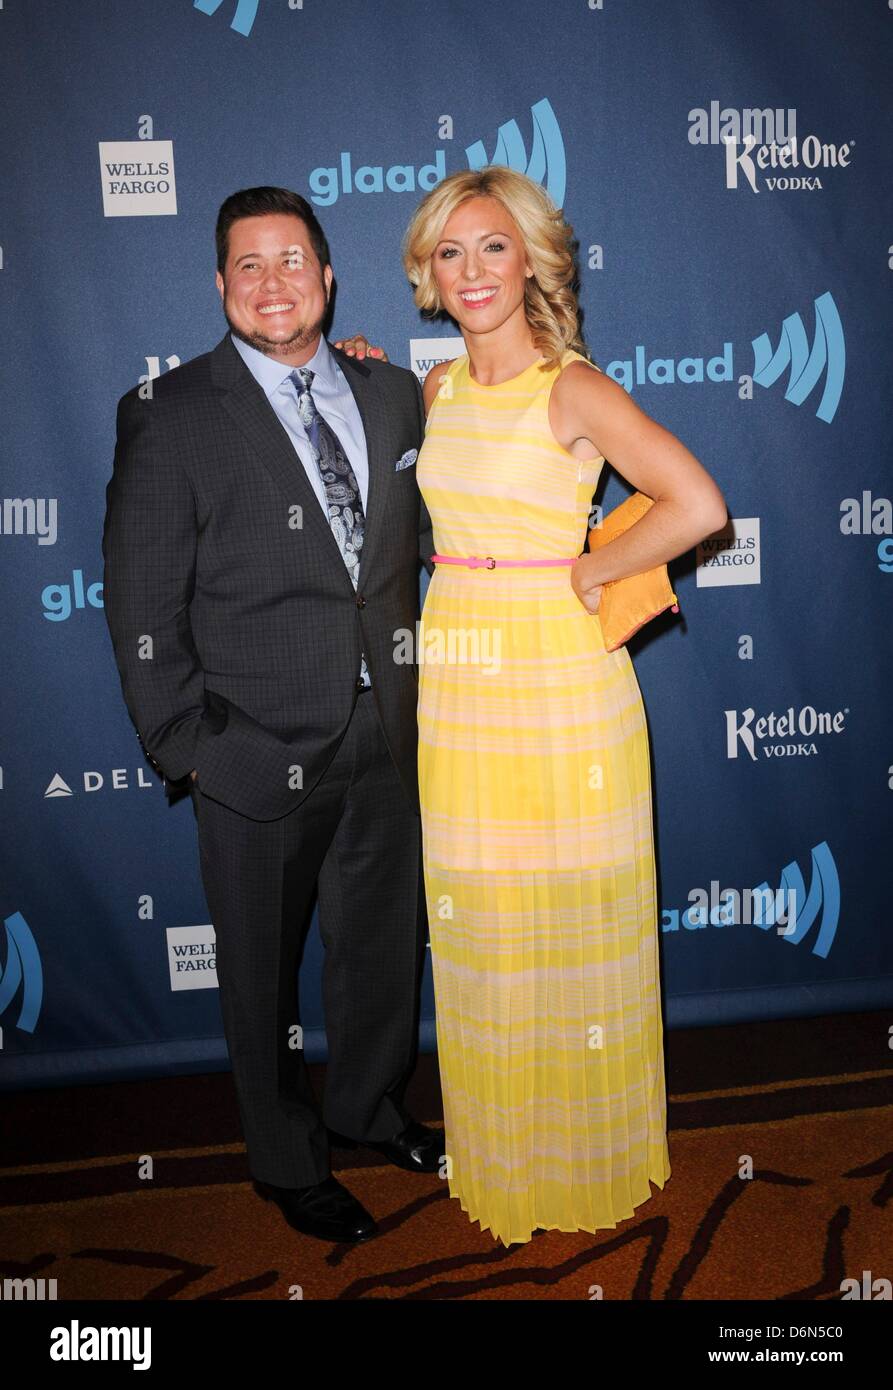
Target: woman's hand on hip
584,583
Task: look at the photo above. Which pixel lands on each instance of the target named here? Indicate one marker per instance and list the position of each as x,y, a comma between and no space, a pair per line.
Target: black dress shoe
418,1148
326,1210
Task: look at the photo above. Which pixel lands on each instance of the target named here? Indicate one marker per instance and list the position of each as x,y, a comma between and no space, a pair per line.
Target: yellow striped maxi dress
538,849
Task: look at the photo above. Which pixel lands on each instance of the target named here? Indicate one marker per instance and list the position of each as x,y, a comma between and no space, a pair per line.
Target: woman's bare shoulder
580,380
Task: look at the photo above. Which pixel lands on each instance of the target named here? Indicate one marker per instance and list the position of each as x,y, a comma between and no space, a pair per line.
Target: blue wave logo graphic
827,354
547,163
242,20
22,970
766,908
823,898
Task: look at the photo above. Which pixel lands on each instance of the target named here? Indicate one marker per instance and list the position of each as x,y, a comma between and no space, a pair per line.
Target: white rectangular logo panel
425,353
192,957
732,555
138,178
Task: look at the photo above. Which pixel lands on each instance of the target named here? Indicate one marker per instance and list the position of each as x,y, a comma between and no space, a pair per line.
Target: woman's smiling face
479,265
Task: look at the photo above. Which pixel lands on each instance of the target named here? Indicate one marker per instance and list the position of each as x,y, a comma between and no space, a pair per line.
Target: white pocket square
407,460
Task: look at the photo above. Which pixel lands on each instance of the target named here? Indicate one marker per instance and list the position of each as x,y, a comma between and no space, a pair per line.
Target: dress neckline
497,385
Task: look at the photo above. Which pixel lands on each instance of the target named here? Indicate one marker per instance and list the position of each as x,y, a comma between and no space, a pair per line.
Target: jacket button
361,602
360,683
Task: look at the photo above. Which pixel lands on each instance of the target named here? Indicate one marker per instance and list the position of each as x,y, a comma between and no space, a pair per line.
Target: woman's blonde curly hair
549,299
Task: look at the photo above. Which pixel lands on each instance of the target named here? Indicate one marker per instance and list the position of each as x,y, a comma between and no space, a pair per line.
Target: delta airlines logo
805,364
789,908
758,139
21,971
242,20
115,780
545,163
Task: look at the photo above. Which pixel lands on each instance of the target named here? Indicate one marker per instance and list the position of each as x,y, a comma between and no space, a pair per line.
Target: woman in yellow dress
534,771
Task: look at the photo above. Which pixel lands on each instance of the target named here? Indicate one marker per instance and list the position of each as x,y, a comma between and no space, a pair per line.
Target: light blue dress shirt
335,403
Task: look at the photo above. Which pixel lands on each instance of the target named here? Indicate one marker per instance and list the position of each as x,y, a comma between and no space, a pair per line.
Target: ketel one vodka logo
545,164
21,970
763,148
790,733
242,20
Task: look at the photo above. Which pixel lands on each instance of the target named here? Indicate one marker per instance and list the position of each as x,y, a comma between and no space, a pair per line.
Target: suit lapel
246,403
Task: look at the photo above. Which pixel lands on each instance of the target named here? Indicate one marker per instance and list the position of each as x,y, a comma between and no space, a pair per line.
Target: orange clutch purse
628,604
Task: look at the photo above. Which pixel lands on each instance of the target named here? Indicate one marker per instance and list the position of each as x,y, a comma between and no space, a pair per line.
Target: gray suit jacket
235,625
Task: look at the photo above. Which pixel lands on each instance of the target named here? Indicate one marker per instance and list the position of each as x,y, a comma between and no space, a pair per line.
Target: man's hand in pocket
194,773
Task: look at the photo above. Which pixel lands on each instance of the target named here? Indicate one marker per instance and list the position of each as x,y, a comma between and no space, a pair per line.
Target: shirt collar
271,374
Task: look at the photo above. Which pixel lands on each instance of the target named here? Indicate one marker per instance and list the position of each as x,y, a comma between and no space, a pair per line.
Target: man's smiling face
275,292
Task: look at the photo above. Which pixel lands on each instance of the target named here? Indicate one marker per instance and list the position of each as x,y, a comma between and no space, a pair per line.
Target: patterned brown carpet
810,1102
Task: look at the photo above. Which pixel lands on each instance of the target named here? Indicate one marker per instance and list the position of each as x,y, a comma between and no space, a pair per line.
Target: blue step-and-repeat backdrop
727,171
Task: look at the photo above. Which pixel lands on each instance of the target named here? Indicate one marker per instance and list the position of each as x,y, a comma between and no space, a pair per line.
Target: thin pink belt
474,562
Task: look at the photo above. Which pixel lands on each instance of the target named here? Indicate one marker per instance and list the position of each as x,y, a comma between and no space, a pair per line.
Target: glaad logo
788,908
546,164
242,20
806,364
870,516
741,726
21,970
827,354
59,600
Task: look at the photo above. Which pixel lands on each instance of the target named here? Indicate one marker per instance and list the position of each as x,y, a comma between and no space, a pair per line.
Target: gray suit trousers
357,837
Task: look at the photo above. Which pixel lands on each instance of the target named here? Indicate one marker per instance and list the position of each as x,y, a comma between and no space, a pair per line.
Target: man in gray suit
262,541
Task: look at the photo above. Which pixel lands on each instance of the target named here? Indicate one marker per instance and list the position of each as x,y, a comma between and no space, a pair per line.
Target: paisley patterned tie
343,502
